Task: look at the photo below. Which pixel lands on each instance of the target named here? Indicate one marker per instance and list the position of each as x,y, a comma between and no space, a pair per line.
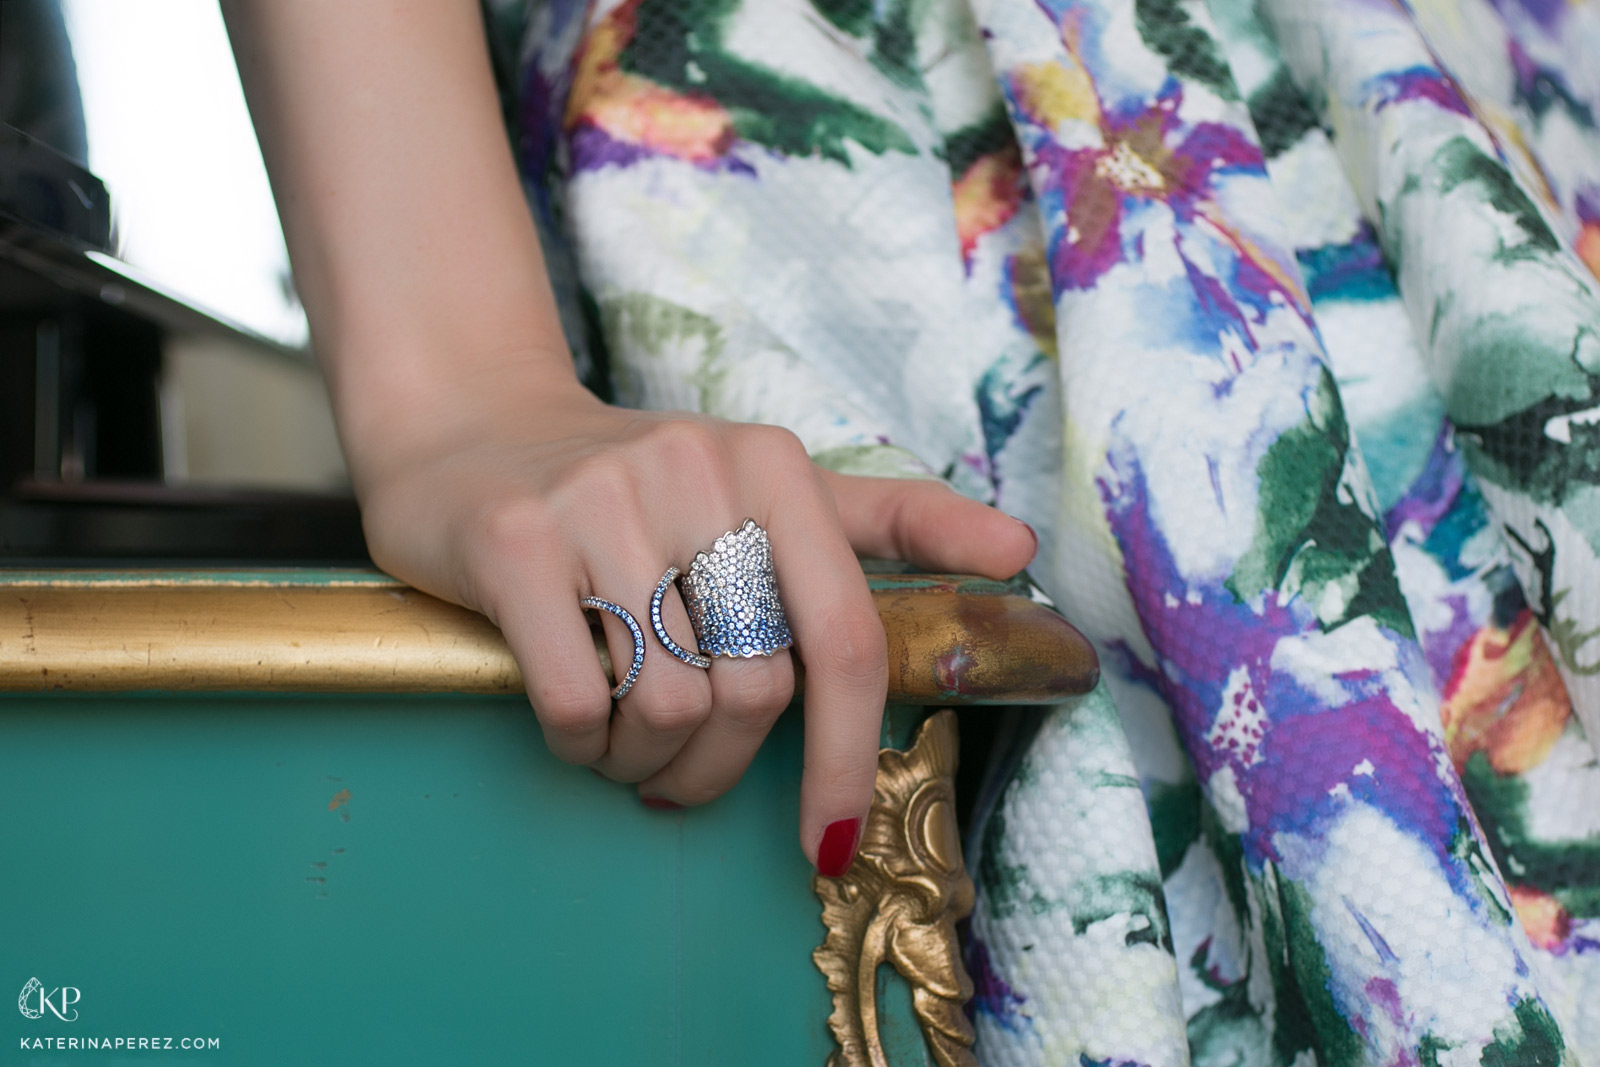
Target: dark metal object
43,189
142,525
57,219
82,331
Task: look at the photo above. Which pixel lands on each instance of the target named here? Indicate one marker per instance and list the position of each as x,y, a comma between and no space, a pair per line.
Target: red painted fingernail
660,804
838,847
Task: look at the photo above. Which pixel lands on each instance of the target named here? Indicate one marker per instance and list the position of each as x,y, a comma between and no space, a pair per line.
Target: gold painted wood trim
899,904
950,640
247,638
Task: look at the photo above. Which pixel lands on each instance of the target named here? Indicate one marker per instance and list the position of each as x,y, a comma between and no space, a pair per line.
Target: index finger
839,637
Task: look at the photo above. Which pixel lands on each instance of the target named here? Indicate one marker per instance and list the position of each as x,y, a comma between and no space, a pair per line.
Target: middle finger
747,696
669,701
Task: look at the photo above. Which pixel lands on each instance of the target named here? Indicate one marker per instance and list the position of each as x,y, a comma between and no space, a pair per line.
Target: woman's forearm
413,248
488,476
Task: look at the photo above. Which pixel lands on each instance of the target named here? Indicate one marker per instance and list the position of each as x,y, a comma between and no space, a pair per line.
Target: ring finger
670,699
740,619
747,696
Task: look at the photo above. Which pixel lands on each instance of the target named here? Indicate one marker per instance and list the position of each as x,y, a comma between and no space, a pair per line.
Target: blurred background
157,396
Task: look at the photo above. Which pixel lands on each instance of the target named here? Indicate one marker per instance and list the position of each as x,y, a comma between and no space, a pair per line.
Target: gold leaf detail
899,904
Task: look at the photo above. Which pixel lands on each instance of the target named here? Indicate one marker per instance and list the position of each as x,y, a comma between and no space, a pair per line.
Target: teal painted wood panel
186,862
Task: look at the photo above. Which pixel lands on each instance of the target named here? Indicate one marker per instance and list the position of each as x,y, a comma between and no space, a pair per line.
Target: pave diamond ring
638,642
693,659
732,596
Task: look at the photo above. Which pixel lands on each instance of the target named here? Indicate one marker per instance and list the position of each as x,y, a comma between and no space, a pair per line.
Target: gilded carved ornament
899,903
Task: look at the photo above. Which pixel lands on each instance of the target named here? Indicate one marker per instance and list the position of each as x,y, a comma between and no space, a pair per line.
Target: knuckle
508,536
570,708
695,457
782,447
688,445
508,527
673,706
604,483
850,646
755,697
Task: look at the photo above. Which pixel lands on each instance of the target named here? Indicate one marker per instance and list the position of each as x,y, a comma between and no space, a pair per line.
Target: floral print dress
1279,321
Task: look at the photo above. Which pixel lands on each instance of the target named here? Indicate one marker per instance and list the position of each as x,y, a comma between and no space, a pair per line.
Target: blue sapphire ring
693,659
732,596
638,642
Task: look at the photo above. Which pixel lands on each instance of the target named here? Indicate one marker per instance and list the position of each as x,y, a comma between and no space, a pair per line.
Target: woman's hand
517,504
489,477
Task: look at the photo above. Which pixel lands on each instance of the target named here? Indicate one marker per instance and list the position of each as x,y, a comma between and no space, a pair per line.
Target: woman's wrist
396,403
411,240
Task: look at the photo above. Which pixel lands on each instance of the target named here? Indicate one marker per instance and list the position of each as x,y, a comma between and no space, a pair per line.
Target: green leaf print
1006,888
1429,1049
1565,633
1002,887
852,16
1229,850
1230,1032
1281,113
1466,851
894,45
1460,162
873,461
1305,1015
679,44
1533,1041
1312,539
893,34
989,134
1570,638
1135,894
1569,870
1524,455
651,327
1175,818
1190,51
1530,1038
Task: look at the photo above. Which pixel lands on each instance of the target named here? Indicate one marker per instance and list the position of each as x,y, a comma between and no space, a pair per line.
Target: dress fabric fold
1279,321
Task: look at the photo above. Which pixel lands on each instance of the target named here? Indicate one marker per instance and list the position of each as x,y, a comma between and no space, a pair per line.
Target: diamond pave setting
597,604
732,596
693,659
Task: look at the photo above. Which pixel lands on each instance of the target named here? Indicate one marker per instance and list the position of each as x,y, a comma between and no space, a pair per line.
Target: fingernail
596,772
838,847
660,804
1033,534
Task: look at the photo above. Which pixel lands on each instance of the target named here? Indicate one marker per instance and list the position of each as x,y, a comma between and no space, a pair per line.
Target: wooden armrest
952,640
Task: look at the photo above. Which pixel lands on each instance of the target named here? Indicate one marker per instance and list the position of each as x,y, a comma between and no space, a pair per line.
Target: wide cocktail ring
731,593
626,683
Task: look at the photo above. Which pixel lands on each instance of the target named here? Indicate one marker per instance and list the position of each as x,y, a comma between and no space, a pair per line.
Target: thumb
930,526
